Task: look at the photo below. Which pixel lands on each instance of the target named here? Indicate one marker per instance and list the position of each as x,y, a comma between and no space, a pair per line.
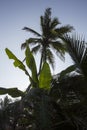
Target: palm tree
49,38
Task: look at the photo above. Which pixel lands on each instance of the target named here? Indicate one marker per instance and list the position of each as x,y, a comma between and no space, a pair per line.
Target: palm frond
73,49
23,45
46,19
47,14
59,49
58,45
83,63
47,54
50,57
64,29
31,41
53,34
35,49
60,55
54,23
77,49
32,31
42,23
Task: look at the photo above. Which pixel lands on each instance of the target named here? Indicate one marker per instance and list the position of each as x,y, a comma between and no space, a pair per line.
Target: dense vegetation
50,102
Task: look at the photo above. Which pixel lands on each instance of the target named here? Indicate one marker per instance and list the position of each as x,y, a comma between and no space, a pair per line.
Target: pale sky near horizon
15,14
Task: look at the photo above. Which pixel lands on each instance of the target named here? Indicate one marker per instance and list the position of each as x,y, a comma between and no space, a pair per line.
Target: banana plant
41,81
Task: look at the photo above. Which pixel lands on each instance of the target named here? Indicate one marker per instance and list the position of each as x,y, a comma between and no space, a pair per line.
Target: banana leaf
30,62
14,92
45,77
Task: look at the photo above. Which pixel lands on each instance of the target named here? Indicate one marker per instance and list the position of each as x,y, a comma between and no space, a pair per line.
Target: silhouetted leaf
14,92
66,71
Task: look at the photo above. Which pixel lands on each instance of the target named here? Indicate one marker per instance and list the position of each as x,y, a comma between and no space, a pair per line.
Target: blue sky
15,14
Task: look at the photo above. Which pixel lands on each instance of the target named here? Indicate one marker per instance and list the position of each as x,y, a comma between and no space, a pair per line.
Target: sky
15,14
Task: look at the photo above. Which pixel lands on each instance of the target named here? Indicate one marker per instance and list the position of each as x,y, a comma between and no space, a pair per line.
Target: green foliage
45,77
17,62
30,62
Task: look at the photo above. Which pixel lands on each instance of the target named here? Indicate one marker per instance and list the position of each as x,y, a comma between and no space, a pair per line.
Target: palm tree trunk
43,58
41,61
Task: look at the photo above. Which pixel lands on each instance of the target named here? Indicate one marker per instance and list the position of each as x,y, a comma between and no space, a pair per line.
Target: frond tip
23,46
77,49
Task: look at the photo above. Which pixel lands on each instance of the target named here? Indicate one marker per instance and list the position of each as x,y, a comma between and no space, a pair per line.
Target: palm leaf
50,57
42,23
35,49
77,49
31,41
54,23
59,48
45,20
58,45
32,31
64,29
47,16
